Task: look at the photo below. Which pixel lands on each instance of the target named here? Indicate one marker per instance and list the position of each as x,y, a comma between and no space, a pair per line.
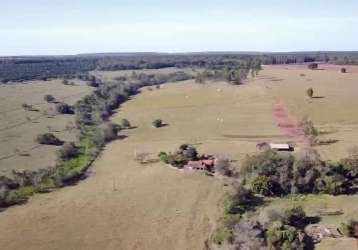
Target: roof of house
279,146
208,162
201,164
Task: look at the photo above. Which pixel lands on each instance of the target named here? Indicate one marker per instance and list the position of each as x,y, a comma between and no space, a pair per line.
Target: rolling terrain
128,205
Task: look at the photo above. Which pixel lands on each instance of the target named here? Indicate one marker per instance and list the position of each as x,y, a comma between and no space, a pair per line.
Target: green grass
222,235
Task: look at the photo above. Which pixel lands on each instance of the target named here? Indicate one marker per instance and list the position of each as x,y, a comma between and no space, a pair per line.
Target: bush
164,157
27,107
309,92
294,216
222,235
343,70
312,66
280,236
64,108
49,98
111,131
68,151
239,202
157,123
125,123
190,153
308,128
262,185
176,160
48,139
222,166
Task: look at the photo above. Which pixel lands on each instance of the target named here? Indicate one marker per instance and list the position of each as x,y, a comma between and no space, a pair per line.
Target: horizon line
180,53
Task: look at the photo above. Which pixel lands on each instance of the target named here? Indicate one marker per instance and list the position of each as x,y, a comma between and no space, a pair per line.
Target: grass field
127,205
19,128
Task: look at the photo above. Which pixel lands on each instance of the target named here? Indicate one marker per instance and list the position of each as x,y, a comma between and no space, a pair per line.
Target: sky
61,27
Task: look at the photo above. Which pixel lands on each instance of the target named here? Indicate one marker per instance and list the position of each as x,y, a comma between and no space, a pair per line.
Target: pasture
19,127
128,205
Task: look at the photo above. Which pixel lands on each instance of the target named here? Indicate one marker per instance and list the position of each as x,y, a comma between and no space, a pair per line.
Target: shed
281,147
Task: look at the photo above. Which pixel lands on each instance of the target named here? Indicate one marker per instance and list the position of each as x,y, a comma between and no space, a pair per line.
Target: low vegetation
48,139
180,157
313,66
49,98
157,123
64,108
245,224
310,92
125,124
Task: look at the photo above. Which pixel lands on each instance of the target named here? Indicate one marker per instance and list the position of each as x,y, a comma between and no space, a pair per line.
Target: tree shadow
312,219
121,137
328,142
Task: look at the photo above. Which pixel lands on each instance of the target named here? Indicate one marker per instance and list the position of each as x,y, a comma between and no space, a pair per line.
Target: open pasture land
19,128
128,205
333,108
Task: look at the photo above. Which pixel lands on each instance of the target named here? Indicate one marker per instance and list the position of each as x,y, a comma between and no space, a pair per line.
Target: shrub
343,70
190,153
49,98
48,139
176,160
348,229
27,107
280,236
183,147
262,185
65,82
64,108
312,66
111,131
222,235
68,151
125,123
294,216
309,92
157,123
308,128
222,166
164,157
238,202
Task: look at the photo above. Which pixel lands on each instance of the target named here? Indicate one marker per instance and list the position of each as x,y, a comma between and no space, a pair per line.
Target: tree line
43,68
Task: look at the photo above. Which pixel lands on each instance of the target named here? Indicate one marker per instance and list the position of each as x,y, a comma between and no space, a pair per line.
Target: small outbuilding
281,147
274,146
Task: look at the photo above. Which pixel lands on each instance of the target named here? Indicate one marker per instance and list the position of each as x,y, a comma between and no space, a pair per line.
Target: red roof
201,164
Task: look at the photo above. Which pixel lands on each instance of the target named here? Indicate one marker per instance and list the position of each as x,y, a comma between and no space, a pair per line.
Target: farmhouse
203,165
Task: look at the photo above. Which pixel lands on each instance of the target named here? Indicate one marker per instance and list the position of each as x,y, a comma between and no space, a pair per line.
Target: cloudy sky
33,27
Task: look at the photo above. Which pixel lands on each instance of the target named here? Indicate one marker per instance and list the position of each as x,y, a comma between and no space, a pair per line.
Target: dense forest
45,67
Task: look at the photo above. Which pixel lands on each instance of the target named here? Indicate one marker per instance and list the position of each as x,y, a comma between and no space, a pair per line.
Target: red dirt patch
288,123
